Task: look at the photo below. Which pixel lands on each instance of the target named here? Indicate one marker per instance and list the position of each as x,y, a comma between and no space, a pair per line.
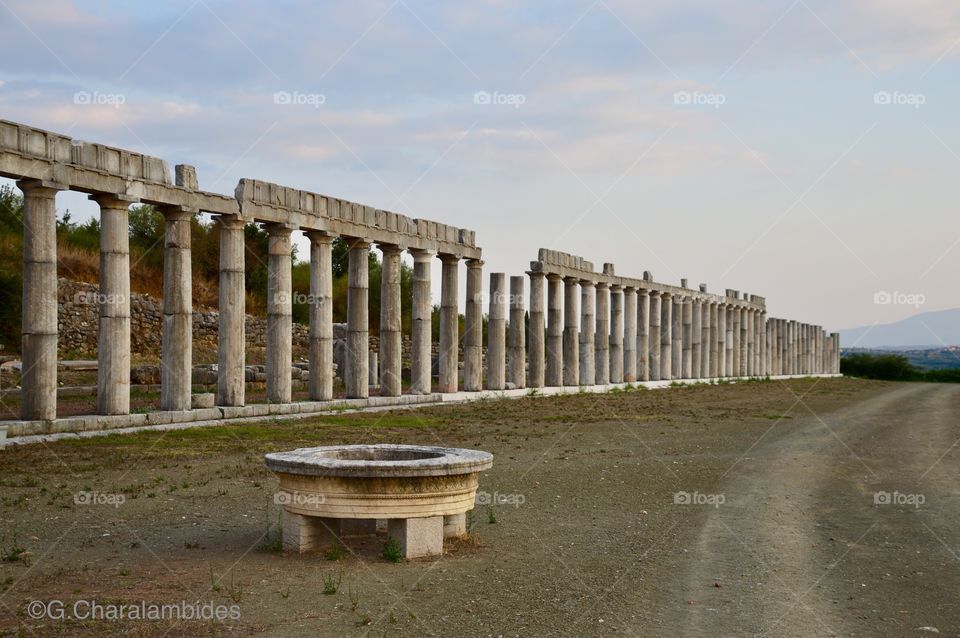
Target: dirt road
844,524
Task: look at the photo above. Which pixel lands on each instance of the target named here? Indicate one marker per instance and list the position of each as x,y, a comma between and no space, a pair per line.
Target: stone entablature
554,262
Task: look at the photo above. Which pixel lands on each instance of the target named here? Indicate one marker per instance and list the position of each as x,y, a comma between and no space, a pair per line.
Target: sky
803,150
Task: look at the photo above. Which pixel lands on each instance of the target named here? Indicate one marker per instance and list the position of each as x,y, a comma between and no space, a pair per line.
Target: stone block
203,400
455,525
417,536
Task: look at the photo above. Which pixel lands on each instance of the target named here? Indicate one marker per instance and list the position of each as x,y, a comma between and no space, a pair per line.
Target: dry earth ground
787,531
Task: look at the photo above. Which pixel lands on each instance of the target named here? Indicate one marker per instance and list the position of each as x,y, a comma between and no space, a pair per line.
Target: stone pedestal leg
176,368
421,320
588,327
496,333
417,536
231,344
38,394
321,316
356,377
616,335
571,333
554,371
696,335
279,314
473,328
653,329
536,349
666,336
601,337
630,334
455,525
390,337
518,329
113,352
449,325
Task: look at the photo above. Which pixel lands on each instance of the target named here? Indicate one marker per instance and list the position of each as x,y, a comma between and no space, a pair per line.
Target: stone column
421,324
176,359
750,341
616,336
587,333
745,349
38,382
651,372
321,315
518,349
738,345
696,336
357,374
687,335
571,333
536,350
763,367
676,329
716,366
231,342
390,335
279,314
733,341
496,329
601,341
705,343
473,328
554,372
630,334
113,303
666,336
449,325
644,316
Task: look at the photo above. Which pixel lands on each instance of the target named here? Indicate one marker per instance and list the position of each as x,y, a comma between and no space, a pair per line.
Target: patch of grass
336,552
491,516
331,584
11,553
392,551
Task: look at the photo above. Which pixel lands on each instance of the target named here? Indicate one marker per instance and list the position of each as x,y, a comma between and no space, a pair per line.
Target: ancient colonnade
570,327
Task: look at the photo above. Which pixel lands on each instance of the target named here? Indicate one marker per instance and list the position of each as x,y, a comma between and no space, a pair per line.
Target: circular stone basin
378,481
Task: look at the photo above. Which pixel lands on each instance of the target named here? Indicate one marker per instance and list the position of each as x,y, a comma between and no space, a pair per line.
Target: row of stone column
593,333
40,303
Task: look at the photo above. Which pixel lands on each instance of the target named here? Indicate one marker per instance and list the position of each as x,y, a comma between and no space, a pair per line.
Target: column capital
278,230
536,274
41,187
420,254
105,200
645,292
630,290
448,258
356,242
319,236
474,263
616,288
231,222
177,213
552,276
586,283
389,249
